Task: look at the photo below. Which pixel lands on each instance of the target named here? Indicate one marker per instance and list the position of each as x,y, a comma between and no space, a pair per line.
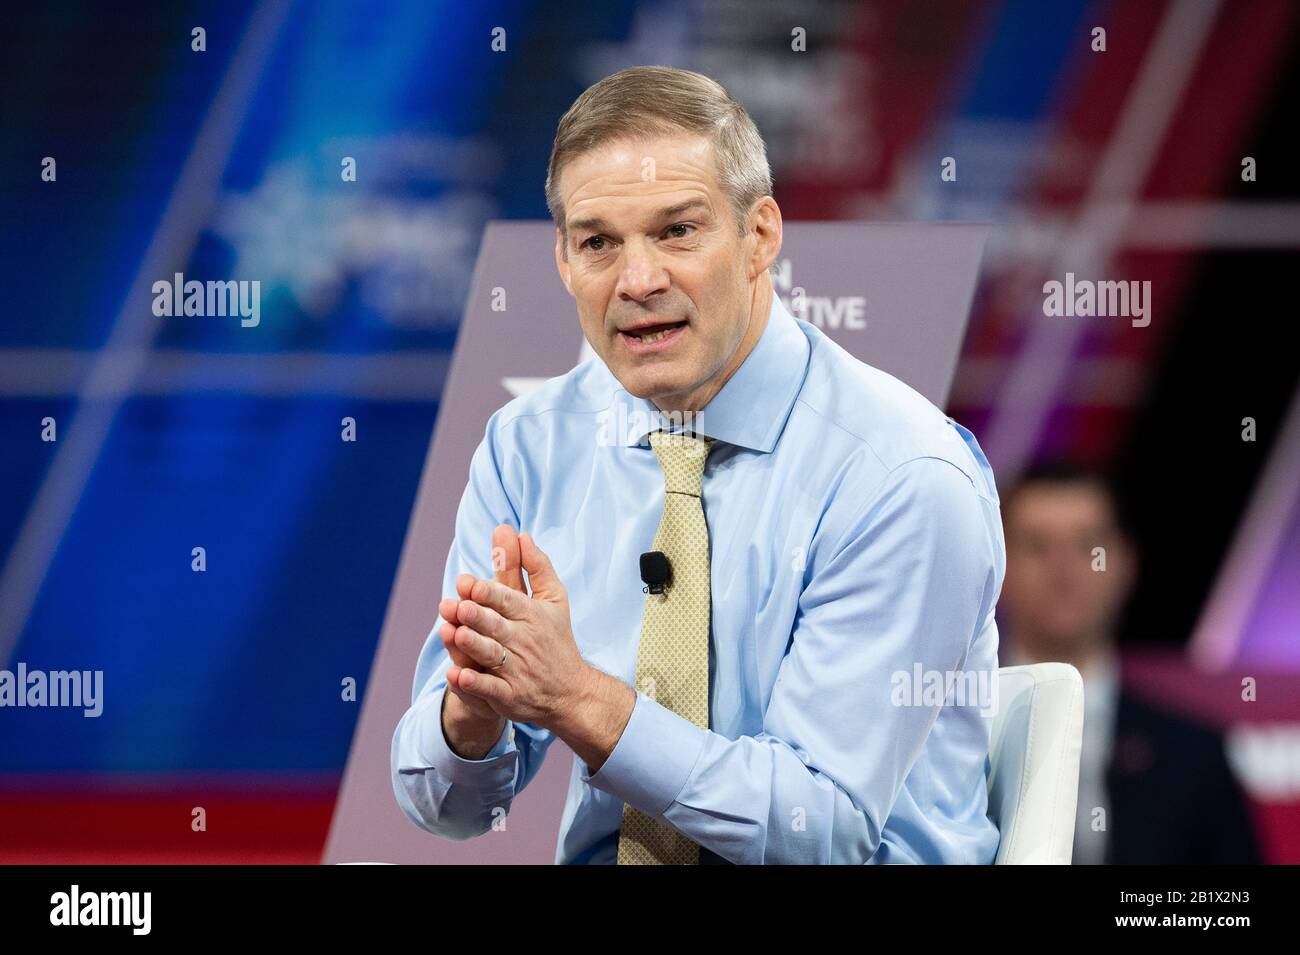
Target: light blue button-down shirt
856,557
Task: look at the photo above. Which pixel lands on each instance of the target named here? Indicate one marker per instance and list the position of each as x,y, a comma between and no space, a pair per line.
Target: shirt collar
751,409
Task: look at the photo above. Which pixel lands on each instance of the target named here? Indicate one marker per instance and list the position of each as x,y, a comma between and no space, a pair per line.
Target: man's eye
685,228
596,243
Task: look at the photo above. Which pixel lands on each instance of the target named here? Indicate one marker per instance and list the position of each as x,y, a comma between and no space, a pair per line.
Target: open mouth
652,333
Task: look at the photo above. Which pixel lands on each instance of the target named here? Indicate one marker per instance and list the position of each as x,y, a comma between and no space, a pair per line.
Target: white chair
1033,770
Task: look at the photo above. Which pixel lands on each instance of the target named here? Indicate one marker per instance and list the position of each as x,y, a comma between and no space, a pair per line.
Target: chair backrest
1033,768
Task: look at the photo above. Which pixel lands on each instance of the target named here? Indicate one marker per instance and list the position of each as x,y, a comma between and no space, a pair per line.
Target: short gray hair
662,100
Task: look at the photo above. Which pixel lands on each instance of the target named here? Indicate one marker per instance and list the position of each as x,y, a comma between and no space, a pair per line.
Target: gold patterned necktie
673,659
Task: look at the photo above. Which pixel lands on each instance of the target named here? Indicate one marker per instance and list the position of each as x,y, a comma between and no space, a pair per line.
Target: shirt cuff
652,760
496,770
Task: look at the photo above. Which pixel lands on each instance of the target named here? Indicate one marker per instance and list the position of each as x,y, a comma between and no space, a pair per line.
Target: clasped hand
543,673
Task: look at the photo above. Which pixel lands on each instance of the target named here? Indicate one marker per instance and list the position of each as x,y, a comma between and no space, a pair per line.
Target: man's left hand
544,674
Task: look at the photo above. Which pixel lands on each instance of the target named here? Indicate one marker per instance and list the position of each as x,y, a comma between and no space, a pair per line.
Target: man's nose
642,275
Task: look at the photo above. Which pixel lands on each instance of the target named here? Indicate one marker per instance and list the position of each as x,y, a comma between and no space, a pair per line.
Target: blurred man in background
1153,786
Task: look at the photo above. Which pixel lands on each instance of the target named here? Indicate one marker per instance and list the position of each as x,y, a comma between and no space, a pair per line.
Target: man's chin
651,383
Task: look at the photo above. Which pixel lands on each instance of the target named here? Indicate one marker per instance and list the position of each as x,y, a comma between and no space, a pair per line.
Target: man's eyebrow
597,224
688,206
594,223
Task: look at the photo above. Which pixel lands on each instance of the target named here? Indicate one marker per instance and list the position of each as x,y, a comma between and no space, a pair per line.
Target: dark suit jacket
1173,797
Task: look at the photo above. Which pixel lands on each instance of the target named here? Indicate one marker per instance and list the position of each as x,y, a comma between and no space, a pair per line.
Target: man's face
1058,603
652,247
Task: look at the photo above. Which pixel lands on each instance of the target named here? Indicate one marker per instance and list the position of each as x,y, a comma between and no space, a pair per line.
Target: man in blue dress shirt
855,548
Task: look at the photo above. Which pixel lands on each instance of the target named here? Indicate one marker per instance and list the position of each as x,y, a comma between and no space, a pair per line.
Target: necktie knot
682,458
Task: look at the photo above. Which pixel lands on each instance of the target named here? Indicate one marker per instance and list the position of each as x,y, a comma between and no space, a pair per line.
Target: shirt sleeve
909,584
436,789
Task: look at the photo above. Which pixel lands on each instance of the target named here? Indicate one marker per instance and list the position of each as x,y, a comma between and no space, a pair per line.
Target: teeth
655,336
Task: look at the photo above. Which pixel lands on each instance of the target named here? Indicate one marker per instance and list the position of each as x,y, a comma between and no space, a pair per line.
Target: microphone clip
656,572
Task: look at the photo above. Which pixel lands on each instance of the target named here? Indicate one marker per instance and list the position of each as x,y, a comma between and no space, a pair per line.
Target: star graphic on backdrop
521,386
408,256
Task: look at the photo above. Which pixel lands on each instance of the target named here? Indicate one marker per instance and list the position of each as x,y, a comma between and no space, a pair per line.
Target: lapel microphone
655,571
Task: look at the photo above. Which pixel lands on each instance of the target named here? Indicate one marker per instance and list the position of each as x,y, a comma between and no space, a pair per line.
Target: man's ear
766,226
561,263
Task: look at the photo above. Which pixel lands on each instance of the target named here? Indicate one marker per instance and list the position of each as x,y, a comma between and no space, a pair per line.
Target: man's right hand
470,726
